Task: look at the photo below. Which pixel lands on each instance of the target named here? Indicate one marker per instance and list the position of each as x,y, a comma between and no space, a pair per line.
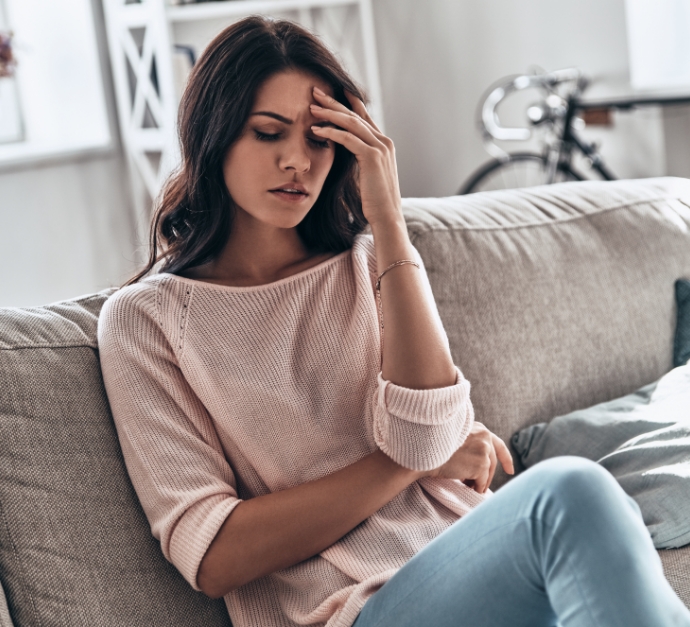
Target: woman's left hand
375,154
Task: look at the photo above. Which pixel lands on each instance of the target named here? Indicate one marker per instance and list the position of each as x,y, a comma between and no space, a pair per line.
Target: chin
287,218
286,222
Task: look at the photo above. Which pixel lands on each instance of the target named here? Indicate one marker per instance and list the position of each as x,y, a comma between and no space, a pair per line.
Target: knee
573,479
580,495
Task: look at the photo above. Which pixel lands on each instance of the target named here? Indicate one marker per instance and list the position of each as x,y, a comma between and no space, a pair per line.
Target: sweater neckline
253,288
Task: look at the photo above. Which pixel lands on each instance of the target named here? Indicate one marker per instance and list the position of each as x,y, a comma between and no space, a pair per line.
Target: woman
297,442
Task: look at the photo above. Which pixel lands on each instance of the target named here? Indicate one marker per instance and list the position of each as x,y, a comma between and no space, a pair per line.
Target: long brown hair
194,212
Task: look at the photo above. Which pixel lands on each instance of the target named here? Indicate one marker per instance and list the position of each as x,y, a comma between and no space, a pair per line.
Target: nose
295,157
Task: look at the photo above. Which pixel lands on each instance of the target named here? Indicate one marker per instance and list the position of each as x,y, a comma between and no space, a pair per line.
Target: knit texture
221,394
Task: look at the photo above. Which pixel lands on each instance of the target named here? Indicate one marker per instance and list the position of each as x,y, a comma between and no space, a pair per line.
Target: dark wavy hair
194,212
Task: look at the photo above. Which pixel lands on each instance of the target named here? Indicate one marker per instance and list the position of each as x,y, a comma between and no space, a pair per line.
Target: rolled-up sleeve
421,429
170,446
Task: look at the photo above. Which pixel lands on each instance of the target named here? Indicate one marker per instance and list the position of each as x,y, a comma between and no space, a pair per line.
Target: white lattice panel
141,36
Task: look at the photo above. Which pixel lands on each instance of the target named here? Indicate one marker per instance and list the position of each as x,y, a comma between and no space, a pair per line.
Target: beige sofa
554,298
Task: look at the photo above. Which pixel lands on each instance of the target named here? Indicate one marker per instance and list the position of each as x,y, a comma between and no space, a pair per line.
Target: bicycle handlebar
490,121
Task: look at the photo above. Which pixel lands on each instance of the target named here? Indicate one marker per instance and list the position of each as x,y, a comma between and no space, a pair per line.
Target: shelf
236,8
20,154
59,84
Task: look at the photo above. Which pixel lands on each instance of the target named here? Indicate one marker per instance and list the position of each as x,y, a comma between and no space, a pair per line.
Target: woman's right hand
475,462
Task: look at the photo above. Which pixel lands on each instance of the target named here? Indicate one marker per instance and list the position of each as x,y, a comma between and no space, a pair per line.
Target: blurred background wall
67,226
437,59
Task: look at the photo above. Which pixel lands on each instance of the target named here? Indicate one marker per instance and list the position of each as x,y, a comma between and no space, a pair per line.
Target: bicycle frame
559,111
570,138
558,156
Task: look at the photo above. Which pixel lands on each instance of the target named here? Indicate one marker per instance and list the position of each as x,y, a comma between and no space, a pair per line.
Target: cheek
241,167
323,162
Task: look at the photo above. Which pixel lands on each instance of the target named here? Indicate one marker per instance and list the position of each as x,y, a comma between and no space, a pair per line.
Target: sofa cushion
681,345
557,297
676,563
5,619
75,546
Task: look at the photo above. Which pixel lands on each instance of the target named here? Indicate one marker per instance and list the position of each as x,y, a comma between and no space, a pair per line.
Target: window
58,88
659,43
11,129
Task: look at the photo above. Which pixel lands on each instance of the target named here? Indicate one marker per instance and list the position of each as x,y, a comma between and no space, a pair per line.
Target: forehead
288,92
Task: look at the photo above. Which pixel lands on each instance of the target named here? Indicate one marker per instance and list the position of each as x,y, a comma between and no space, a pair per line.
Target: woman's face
278,150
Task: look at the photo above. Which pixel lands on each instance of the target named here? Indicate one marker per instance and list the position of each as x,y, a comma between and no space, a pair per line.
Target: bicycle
558,113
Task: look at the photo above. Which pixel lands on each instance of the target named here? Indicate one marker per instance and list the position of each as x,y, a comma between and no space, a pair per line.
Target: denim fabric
681,343
561,544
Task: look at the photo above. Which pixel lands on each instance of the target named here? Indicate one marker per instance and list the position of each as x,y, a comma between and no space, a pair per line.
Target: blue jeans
559,544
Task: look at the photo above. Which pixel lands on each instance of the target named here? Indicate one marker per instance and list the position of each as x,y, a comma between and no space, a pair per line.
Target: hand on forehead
288,95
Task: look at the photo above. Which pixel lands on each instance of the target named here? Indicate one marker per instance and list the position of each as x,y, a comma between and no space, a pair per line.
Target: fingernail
318,91
315,106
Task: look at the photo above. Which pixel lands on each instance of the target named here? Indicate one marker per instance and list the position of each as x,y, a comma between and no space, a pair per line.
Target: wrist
390,225
392,242
410,474
423,474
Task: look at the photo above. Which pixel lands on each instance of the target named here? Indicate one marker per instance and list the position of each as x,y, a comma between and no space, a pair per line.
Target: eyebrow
285,120
276,116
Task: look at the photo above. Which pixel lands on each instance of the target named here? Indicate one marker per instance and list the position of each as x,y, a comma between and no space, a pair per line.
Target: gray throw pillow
681,343
642,439
75,547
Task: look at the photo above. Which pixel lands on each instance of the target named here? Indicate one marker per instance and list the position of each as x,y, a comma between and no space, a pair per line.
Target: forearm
415,352
275,531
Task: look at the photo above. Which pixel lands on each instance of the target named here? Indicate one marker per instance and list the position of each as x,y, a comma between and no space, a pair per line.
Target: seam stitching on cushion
19,561
35,346
421,230
82,299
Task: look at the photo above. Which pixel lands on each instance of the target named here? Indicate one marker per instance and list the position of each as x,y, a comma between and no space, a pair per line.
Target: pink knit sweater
221,394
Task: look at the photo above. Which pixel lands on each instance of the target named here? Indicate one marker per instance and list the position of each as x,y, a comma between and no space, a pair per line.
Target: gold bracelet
393,265
378,289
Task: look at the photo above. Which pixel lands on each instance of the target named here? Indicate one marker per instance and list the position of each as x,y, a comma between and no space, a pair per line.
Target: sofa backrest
75,547
553,298
558,297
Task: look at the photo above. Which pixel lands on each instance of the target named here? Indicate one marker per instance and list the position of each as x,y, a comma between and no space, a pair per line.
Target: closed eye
319,143
266,137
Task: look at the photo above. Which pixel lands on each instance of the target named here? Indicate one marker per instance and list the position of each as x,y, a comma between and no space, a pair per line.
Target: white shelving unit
55,106
141,38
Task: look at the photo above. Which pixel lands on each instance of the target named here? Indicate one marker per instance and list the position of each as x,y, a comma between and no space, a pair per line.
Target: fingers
352,123
329,101
359,108
492,470
497,451
358,114
475,463
353,143
487,463
504,455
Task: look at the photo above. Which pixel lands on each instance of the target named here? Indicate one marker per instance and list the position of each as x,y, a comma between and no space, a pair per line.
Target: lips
290,192
294,189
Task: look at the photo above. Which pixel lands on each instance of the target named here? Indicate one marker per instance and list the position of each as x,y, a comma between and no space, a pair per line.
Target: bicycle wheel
522,169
